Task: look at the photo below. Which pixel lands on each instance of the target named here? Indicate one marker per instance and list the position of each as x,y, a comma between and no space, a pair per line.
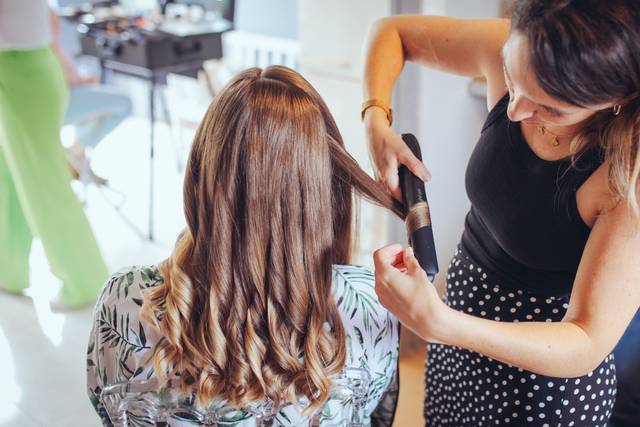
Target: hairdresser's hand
404,289
388,152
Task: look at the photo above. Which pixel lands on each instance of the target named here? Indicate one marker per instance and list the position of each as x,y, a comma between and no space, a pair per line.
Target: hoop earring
616,109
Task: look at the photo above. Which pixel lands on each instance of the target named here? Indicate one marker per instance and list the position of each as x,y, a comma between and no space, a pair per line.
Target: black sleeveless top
524,227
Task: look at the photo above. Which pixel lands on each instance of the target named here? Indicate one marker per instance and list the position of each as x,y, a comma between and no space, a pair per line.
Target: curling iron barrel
418,220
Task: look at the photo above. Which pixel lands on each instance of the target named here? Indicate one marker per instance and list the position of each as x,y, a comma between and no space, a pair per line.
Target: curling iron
418,220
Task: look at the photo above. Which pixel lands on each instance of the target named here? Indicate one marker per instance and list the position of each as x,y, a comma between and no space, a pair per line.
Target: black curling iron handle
418,221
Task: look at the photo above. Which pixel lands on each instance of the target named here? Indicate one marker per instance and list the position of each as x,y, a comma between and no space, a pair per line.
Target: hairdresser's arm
605,297
460,46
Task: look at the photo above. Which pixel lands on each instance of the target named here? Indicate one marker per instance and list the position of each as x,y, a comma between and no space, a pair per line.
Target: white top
24,24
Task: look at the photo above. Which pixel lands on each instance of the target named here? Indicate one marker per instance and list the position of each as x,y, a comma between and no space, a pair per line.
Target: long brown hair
245,309
587,53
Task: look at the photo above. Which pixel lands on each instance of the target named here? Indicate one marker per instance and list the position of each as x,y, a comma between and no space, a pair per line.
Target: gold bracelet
377,103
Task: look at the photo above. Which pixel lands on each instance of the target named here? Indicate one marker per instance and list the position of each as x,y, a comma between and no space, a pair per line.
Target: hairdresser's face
528,102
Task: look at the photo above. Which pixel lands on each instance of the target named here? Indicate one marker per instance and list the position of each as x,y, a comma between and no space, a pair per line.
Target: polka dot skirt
466,389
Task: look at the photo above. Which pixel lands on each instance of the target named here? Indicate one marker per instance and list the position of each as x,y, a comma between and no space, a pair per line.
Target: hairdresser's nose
520,108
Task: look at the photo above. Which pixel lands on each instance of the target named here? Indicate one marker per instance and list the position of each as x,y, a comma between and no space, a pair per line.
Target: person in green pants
36,199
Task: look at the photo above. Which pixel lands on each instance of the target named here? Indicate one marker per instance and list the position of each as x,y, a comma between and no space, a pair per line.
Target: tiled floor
42,357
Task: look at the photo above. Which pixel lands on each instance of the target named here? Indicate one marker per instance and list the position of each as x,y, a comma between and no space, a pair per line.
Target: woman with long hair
546,277
257,300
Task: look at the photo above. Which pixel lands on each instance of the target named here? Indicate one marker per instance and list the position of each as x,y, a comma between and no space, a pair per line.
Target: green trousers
36,199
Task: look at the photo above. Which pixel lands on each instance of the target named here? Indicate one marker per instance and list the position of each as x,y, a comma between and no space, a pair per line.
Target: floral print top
121,345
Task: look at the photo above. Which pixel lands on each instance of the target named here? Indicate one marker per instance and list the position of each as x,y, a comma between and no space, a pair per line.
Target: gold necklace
555,141
555,138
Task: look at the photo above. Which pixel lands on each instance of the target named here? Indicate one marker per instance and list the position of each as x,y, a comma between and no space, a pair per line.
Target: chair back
141,403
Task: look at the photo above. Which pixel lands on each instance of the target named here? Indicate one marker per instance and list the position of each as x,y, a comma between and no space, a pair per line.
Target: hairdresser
546,278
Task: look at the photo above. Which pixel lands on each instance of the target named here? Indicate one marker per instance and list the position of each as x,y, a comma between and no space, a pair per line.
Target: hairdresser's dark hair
587,53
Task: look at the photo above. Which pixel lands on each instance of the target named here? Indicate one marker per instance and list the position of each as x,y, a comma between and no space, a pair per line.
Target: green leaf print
143,338
129,277
359,335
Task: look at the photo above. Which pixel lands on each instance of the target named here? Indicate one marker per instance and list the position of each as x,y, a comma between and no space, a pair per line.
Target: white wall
463,8
276,18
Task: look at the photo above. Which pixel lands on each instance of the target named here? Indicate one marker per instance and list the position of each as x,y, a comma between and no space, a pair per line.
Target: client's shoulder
353,274
127,284
371,331
121,294
354,292
354,289
121,344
